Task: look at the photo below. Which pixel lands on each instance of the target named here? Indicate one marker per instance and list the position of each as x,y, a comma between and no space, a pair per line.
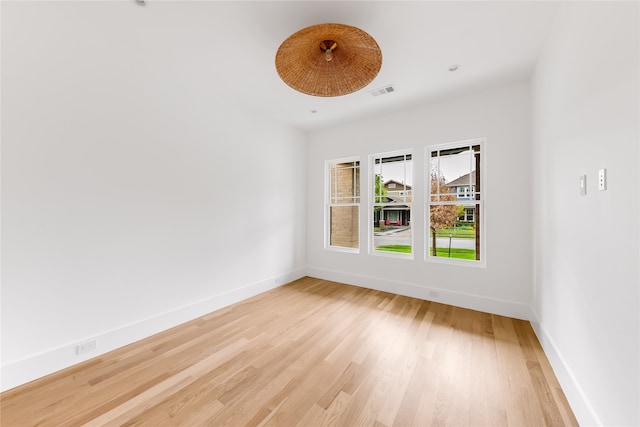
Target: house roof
398,183
463,180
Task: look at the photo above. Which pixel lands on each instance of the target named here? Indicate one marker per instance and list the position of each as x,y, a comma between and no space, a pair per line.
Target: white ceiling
228,48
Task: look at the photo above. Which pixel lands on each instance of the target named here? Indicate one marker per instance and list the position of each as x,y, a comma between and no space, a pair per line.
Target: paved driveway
400,236
443,242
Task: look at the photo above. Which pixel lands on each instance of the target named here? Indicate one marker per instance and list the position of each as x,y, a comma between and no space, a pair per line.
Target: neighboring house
400,214
464,189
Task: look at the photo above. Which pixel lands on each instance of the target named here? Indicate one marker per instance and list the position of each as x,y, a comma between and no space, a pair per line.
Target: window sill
455,261
386,254
342,249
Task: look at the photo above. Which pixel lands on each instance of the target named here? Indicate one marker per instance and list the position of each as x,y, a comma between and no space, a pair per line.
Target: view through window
454,202
343,204
391,181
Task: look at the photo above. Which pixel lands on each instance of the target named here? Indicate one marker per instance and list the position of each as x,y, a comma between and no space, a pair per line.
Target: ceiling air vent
382,91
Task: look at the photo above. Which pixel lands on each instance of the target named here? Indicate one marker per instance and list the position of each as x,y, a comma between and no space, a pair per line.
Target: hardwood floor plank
310,353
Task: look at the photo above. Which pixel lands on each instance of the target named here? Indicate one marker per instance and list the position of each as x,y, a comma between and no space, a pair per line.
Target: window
342,202
454,202
468,215
391,176
463,192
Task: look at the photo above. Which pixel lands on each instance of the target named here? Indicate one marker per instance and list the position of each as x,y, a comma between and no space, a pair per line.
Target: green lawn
466,232
456,253
405,249
442,252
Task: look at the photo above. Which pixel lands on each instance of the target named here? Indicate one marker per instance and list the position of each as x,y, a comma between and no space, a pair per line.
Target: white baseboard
50,361
578,401
458,299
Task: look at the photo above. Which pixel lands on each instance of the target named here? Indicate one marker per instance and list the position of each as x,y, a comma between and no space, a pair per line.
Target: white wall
586,257
499,114
129,201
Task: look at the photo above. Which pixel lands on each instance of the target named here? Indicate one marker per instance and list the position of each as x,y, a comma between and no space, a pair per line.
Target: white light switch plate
602,179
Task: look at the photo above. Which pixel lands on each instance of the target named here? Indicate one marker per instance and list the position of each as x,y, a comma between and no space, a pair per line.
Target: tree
379,196
441,216
380,191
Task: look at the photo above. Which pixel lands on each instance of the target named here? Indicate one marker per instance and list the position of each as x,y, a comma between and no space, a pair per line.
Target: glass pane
475,174
344,226
345,182
392,229
393,179
378,187
454,231
393,194
454,175
454,170
433,164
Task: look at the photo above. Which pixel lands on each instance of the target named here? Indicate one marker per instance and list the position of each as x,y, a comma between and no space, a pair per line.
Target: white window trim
482,263
327,205
370,204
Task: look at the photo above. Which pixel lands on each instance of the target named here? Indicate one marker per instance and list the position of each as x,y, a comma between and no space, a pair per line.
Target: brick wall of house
345,219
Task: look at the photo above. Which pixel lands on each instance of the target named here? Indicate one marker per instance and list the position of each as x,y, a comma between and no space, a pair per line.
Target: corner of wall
578,401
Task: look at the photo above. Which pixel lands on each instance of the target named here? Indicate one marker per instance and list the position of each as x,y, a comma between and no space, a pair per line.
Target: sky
452,167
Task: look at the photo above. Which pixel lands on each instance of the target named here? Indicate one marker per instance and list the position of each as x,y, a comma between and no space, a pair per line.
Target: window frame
328,204
372,203
480,202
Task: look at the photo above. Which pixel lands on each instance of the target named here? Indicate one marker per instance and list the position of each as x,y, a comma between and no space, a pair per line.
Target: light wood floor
310,353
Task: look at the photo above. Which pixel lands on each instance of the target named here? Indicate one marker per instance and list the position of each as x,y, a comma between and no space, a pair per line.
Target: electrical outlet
434,294
602,179
87,346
